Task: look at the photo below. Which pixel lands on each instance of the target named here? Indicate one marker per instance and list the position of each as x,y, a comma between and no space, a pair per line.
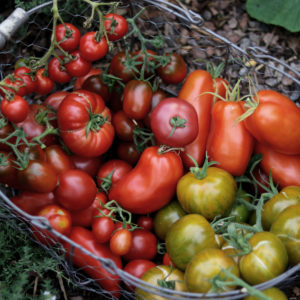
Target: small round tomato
102,229
33,152
147,60
17,86
115,25
57,72
272,293
67,35
120,241
16,109
44,85
118,68
29,81
91,48
78,66
89,165
8,169
174,71
174,122
127,152
123,125
80,80
145,222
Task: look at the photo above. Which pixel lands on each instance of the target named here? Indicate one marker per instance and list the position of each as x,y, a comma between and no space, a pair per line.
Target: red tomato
8,169
16,109
17,84
229,143
145,222
137,99
220,86
33,152
76,190
44,85
80,80
57,72
54,99
78,66
196,84
145,58
84,123
29,81
5,131
118,68
174,122
90,48
67,35
167,260
144,190
120,242
115,25
123,125
127,151
89,165
102,229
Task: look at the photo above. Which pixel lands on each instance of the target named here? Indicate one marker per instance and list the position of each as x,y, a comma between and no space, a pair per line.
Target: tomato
229,143
102,229
273,293
38,177
268,258
93,267
84,123
269,125
116,98
44,85
57,71
174,122
147,61
166,217
113,170
187,237
89,165
285,169
127,152
220,86
174,71
167,260
17,84
54,99
144,245
194,91
91,48
67,35
28,80
118,68
115,25
210,195
78,66
8,169
155,276
143,191
137,268
121,242
145,222
33,152
123,125
287,228
16,109
6,129
137,99
204,266
80,80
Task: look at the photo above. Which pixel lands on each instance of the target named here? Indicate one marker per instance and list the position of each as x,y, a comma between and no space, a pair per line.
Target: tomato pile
183,191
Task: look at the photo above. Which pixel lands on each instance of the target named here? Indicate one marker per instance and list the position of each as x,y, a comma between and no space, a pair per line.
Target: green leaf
277,12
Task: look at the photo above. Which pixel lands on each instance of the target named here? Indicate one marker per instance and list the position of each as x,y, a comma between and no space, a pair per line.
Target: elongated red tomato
275,121
197,83
151,184
229,143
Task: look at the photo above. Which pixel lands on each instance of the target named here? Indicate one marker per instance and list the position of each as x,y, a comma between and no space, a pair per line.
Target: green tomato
273,293
240,212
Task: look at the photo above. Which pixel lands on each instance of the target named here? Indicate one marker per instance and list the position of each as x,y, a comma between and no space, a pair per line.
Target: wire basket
27,33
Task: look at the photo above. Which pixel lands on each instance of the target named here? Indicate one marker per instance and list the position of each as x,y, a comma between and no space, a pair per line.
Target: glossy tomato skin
115,25
269,125
229,143
89,165
273,293
121,241
117,67
5,130
127,151
29,81
15,110
169,110
287,228
54,99
268,258
285,169
220,86
143,191
78,66
188,236
57,72
8,169
80,80
102,229
95,84
137,99
34,152
145,222
204,266
123,125
16,84
74,115
70,41
196,84
212,196
44,85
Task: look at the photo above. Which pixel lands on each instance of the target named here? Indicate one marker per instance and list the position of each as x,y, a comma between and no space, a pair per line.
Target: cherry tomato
17,84
80,80
147,60
78,66
145,222
123,125
16,109
115,25
121,242
127,152
57,72
44,85
28,80
33,152
118,68
8,169
89,165
67,35
102,229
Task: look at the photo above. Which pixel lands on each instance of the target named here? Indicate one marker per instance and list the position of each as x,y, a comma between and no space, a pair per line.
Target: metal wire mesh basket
27,33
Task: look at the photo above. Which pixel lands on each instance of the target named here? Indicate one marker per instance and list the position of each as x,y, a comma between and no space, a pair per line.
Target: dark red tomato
38,177
144,245
137,268
57,72
93,267
17,86
92,49
44,85
34,152
144,190
67,35
116,98
115,25
59,220
102,229
127,152
58,159
144,58
28,80
8,169
263,181
89,165
31,202
137,99
118,68
54,99
78,66
123,125
16,109
174,122
285,169
113,170
228,142
167,260
194,91
121,242
220,86
95,84
6,129
84,123
174,71
76,190
80,80
145,222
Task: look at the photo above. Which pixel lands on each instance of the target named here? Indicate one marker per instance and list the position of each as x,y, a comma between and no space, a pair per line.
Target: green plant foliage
285,13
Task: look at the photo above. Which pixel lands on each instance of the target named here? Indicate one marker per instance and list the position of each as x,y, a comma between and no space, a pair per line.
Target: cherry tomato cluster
174,189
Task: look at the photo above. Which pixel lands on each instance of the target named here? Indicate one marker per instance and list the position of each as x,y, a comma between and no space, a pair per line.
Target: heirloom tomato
273,293
115,25
67,35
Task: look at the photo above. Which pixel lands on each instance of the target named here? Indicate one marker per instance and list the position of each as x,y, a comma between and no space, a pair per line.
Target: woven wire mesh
183,33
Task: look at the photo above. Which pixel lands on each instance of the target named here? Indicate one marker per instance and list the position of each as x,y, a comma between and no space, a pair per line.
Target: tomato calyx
95,123
165,283
176,122
142,138
106,182
164,149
